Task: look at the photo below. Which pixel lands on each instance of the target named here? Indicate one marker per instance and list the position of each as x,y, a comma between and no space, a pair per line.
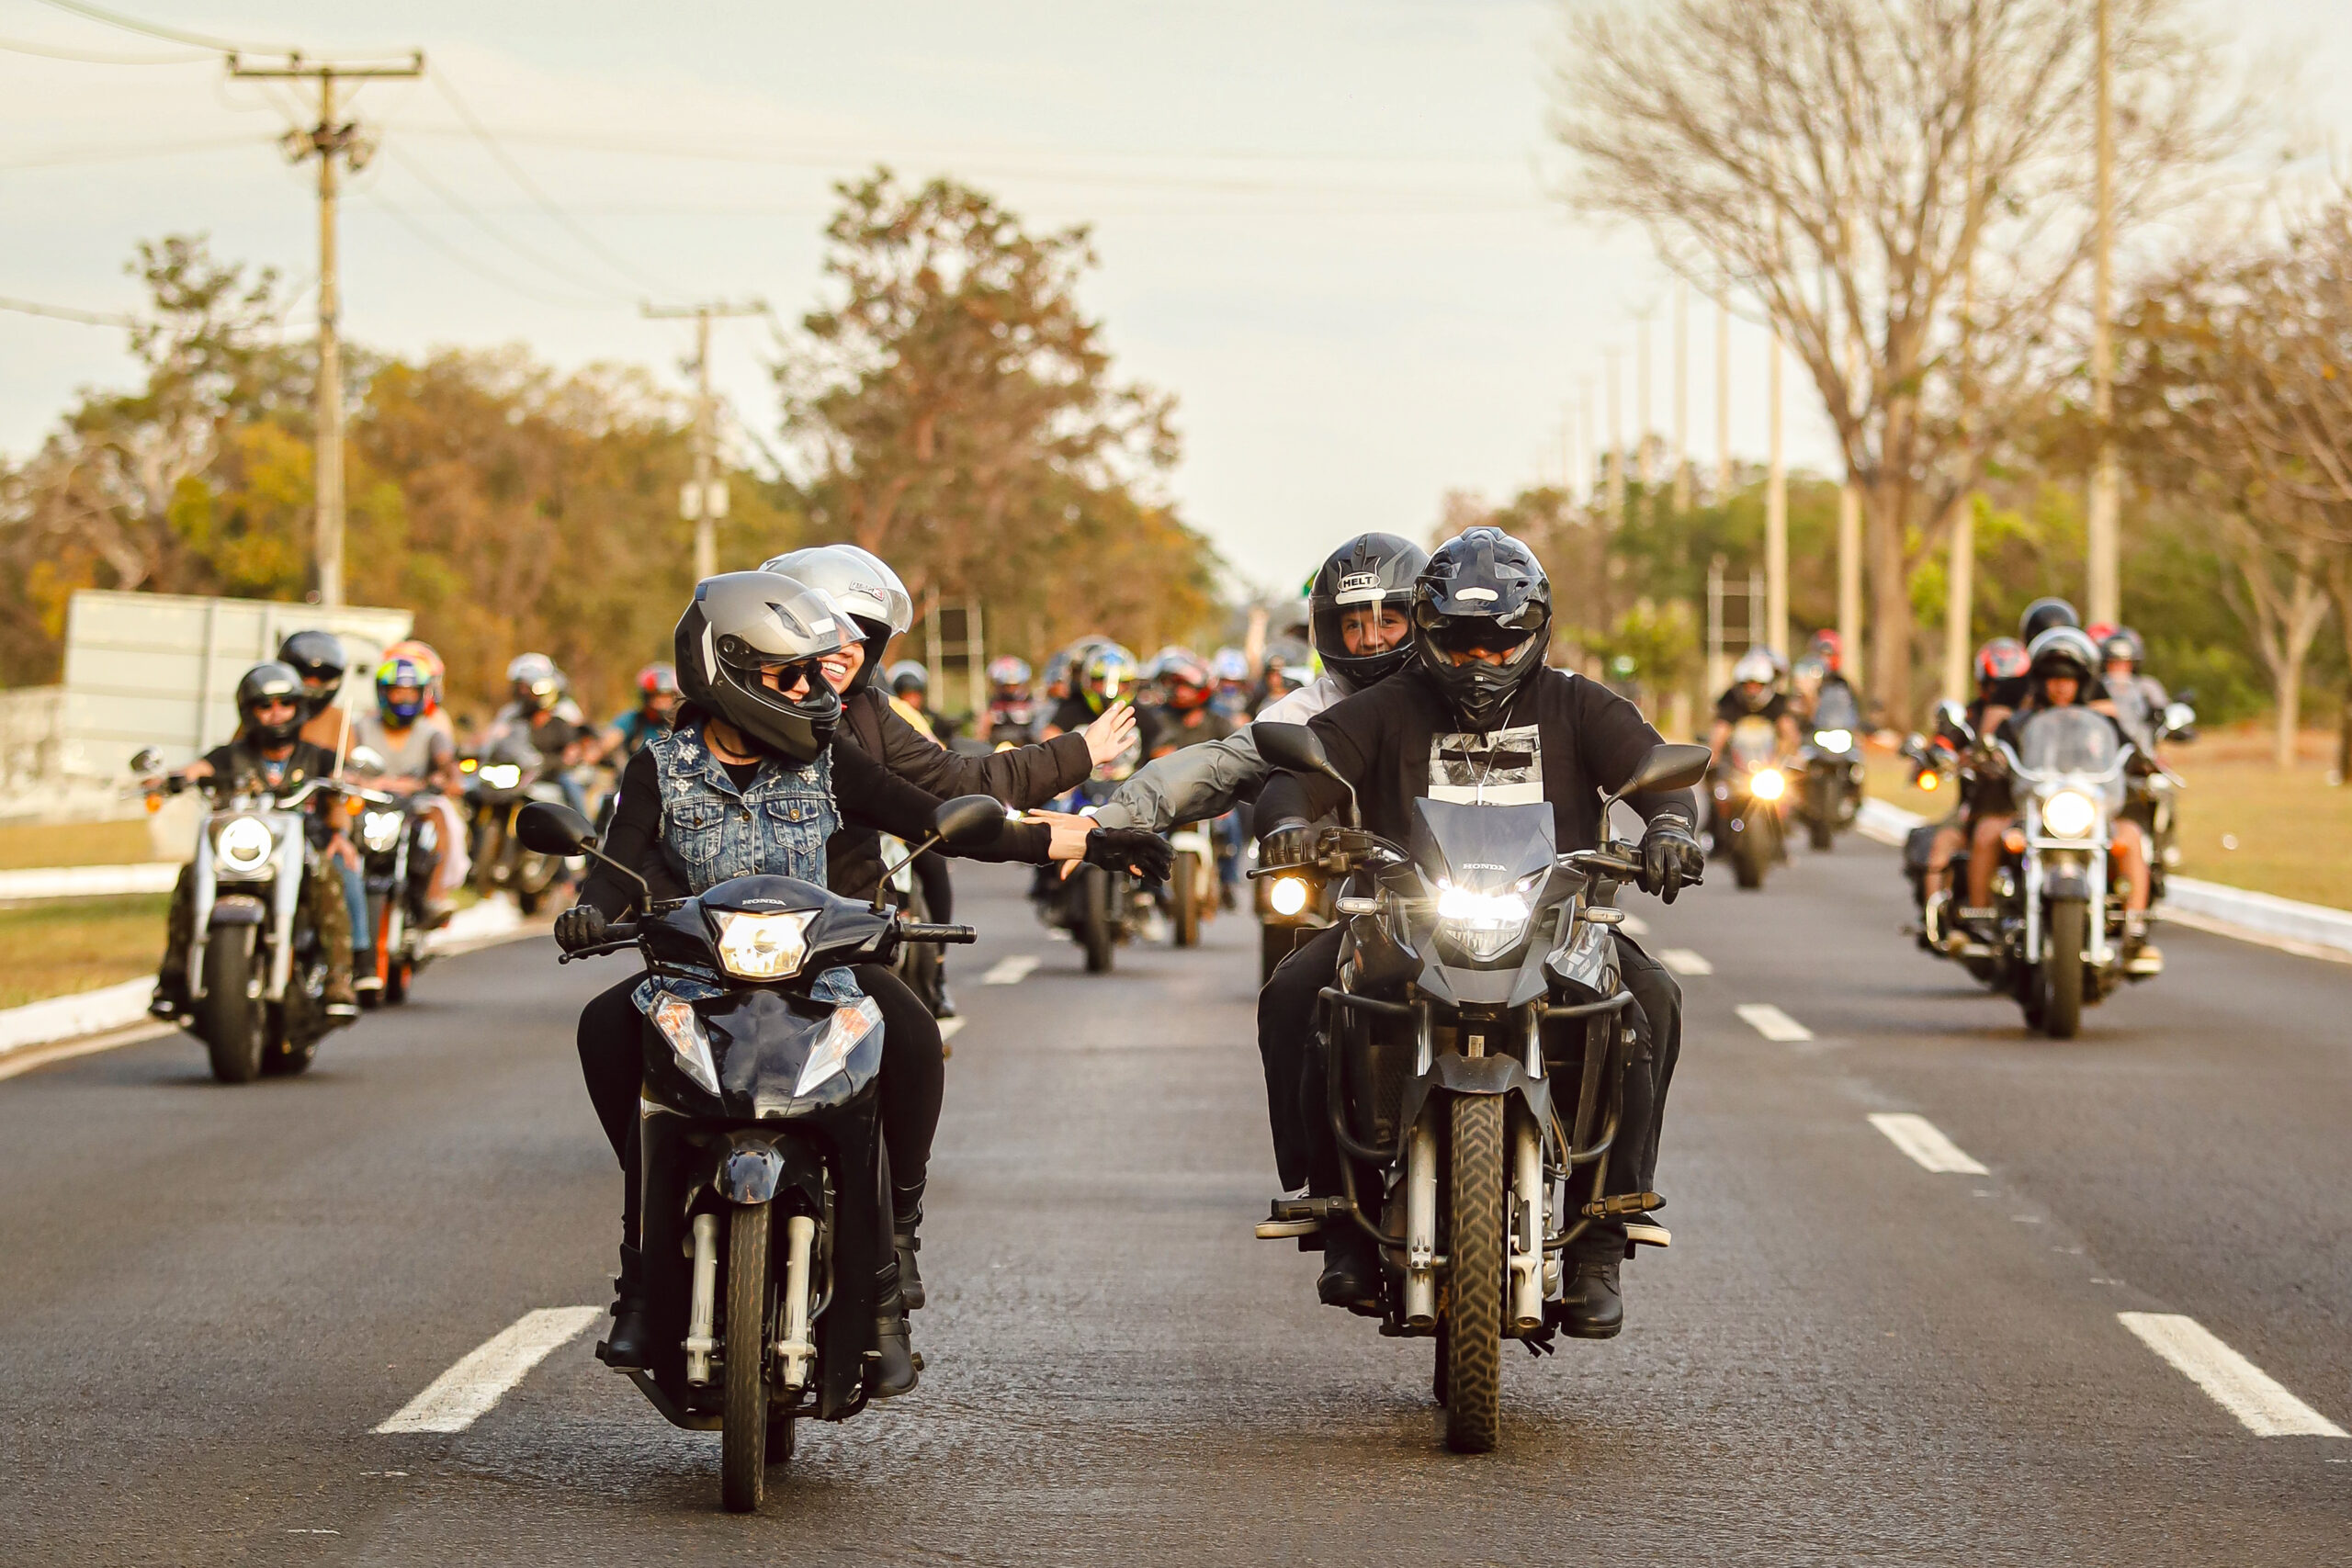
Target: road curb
88,881
2309,931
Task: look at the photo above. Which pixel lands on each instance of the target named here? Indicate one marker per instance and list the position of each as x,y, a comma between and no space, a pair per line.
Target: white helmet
859,581
1755,666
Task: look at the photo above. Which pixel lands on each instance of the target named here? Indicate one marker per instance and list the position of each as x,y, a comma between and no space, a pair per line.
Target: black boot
906,1217
630,1347
1592,1307
1350,1270
897,1374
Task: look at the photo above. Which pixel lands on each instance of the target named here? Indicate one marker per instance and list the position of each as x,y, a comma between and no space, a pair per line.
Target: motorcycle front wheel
1821,822
233,1020
1473,1342
1185,884
1095,924
743,1434
2062,973
1749,855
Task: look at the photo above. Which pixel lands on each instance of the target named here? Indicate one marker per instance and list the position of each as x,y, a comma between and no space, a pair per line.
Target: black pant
1296,1086
914,1078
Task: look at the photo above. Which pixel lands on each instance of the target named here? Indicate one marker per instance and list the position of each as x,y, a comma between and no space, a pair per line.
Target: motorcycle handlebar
911,931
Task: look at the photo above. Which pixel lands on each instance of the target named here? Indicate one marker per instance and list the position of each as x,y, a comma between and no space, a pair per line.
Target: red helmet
1830,649
658,680
2002,659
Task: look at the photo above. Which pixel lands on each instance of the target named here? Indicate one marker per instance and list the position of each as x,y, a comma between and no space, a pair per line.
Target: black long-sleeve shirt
1565,740
865,793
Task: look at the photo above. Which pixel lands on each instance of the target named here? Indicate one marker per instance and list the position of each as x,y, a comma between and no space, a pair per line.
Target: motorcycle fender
238,909
2068,882
1479,1076
748,1172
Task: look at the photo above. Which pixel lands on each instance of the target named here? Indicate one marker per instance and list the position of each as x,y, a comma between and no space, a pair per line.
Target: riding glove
582,926
1671,859
1289,843
1121,849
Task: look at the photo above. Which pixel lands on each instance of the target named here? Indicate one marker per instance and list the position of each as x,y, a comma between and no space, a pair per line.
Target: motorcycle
763,1176
507,776
1749,788
1293,904
1099,908
1830,762
1456,1158
1190,889
2060,925
256,970
391,836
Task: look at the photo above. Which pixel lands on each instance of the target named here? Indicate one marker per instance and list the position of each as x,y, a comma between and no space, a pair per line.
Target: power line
459,205
68,313
479,268
169,35
91,57
132,151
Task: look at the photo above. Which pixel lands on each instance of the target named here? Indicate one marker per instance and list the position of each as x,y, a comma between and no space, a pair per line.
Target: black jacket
1024,776
1564,741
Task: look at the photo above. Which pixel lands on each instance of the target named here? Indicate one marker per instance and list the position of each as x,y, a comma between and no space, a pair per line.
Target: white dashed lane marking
1925,1143
1009,971
1633,925
2237,1385
1682,961
463,1394
1771,1023
949,1028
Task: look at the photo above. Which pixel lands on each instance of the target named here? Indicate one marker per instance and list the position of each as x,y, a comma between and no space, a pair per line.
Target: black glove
582,926
1137,848
1287,842
1671,859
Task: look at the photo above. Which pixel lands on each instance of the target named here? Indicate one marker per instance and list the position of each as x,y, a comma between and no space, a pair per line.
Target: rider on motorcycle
542,710
1186,716
910,697
1753,692
751,781
1826,652
2063,673
268,751
418,757
657,702
1011,708
1479,717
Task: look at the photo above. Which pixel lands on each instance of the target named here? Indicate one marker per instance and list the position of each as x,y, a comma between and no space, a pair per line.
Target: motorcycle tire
1473,1311
1749,856
396,983
233,1020
744,1432
1095,932
2061,973
1186,887
1820,826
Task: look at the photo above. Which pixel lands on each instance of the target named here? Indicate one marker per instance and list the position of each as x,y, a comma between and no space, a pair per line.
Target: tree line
949,404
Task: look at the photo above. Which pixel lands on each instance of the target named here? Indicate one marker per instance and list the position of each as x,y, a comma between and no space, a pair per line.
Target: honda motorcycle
766,1212
1477,974
1749,790
256,968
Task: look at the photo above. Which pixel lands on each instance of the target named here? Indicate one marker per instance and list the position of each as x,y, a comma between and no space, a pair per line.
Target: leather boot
906,1217
1351,1272
1591,1306
630,1344
896,1374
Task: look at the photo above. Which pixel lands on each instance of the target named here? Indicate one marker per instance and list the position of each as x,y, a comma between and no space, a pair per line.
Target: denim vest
777,827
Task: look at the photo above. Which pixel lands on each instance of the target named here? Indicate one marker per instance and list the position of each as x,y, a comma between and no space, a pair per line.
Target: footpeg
1298,1217
1623,1203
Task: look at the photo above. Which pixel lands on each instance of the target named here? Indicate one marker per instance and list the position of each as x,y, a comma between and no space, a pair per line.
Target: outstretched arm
1187,786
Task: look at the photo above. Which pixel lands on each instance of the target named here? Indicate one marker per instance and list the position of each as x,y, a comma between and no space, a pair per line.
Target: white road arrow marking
2240,1387
1682,961
1009,971
1925,1143
463,1394
1771,1023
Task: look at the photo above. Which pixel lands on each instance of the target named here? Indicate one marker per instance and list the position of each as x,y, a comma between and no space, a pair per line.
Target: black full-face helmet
744,625
1369,571
1482,590
2042,615
275,682
318,657
2065,650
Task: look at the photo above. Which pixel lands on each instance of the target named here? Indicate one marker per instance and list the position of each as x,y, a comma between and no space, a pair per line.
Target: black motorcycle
1750,791
1293,906
1829,762
1099,907
766,1214
509,775
1477,971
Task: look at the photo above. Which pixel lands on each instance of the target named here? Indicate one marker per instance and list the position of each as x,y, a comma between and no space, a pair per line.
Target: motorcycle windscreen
1484,849
1754,741
764,1040
2069,740
1836,709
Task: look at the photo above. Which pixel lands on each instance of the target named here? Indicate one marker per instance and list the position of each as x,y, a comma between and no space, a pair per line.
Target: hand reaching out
1111,734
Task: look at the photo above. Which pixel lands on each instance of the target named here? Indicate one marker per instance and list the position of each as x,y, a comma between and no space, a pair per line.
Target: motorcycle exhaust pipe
1527,1242
1421,1226
795,1350
702,1317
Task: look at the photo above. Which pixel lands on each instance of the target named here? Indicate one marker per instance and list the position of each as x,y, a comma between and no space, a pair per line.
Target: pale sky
1324,227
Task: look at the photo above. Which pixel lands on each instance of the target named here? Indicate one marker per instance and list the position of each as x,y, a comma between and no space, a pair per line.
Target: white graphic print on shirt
1504,767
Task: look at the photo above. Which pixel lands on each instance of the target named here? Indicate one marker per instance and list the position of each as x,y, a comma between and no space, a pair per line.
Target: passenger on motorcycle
1478,718
319,658
2062,672
2139,699
268,751
752,781
419,757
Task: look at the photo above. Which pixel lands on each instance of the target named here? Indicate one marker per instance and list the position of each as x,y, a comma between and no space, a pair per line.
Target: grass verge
58,947
75,843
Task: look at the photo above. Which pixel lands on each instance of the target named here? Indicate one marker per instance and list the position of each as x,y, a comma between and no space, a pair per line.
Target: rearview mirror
969,821
1670,765
1953,719
2179,719
366,761
147,760
548,828
1291,746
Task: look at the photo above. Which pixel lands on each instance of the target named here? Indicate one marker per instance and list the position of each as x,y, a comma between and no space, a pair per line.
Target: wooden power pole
2104,534
703,501
328,140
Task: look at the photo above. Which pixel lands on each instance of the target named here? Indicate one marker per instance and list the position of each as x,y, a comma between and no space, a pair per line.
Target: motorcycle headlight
681,1027
244,843
1483,923
2069,814
1769,783
380,830
764,947
502,775
1834,740
1289,896
850,1024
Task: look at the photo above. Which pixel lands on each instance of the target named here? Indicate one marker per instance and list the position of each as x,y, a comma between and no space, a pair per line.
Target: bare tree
1814,159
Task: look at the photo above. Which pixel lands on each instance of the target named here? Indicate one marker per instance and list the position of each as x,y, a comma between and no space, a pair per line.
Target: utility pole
1642,449
1776,518
1850,532
2106,545
1959,585
1722,403
326,142
703,501
1616,481
1681,396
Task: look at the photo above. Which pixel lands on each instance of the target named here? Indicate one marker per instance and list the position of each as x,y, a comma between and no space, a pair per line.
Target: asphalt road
210,1296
